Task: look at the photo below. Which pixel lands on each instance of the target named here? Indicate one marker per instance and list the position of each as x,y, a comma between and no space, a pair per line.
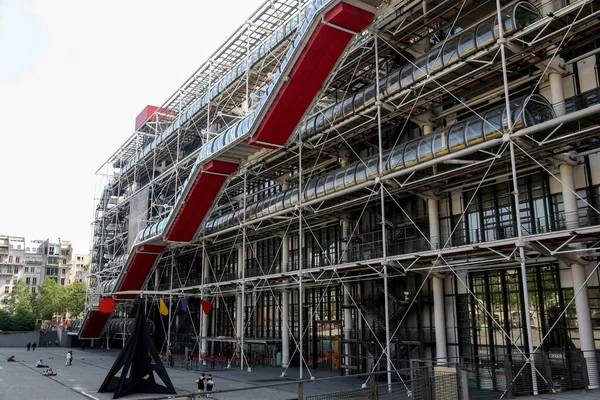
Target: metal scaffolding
431,99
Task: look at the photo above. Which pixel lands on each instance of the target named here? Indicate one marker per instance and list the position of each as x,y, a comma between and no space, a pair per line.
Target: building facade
32,261
80,268
425,188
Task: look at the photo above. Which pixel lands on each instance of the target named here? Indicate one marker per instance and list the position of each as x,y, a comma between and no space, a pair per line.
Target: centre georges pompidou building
353,185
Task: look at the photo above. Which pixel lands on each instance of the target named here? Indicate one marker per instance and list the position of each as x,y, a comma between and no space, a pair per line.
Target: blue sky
73,76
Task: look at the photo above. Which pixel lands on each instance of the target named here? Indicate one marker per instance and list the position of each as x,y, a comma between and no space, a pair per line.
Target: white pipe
583,56
567,178
441,344
584,324
348,327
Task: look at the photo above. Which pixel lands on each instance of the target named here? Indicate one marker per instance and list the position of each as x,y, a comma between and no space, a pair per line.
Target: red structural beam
314,65
199,199
139,267
93,324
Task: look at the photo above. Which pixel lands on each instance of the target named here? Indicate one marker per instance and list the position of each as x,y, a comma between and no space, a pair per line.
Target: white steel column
300,262
434,222
439,311
348,322
204,317
285,306
239,312
567,178
502,42
383,231
557,92
584,323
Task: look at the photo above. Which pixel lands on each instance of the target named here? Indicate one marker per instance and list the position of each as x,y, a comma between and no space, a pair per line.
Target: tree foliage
20,300
22,307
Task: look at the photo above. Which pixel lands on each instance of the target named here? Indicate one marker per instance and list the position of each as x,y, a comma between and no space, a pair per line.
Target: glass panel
406,77
361,170
279,203
474,132
329,183
347,106
359,103
337,112
420,69
466,43
310,129
517,115
397,158
287,198
320,188
425,152
369,98
525,14
434,61
339,180
393,82
383,86
372,166
440,145
319,123
310,193
456,137
450,51
349,178
410,154
485,34
328,117
492,127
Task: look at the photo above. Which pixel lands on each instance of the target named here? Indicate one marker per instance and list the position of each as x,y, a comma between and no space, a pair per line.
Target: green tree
20,300
52,299
75,296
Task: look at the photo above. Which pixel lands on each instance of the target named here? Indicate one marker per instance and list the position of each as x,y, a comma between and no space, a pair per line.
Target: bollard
300,391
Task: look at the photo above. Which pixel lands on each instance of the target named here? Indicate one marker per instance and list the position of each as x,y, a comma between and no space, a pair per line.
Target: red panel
93,324
199,200
144,115
148,111
220,167
310,71
139,268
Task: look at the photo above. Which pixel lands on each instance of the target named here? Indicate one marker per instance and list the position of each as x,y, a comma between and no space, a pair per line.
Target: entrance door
326,353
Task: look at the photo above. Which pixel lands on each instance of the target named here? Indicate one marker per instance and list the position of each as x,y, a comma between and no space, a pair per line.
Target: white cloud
75,75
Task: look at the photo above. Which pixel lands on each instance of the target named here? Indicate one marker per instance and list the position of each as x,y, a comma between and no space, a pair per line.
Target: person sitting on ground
40,364
11,359
49,372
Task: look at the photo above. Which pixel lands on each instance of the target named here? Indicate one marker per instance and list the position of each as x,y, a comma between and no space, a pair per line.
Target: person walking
28,346
69,358
33,346
209,384
200,381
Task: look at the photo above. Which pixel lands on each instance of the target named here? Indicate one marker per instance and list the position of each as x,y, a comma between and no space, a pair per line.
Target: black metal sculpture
137,365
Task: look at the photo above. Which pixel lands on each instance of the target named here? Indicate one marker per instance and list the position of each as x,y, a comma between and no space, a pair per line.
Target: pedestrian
200,381
69,358
209,385
28,346
33,346
212,361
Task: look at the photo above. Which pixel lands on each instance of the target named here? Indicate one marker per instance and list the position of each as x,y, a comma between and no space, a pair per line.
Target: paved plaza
22,380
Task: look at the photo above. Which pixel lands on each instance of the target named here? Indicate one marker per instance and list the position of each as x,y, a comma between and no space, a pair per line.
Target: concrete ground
21,380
